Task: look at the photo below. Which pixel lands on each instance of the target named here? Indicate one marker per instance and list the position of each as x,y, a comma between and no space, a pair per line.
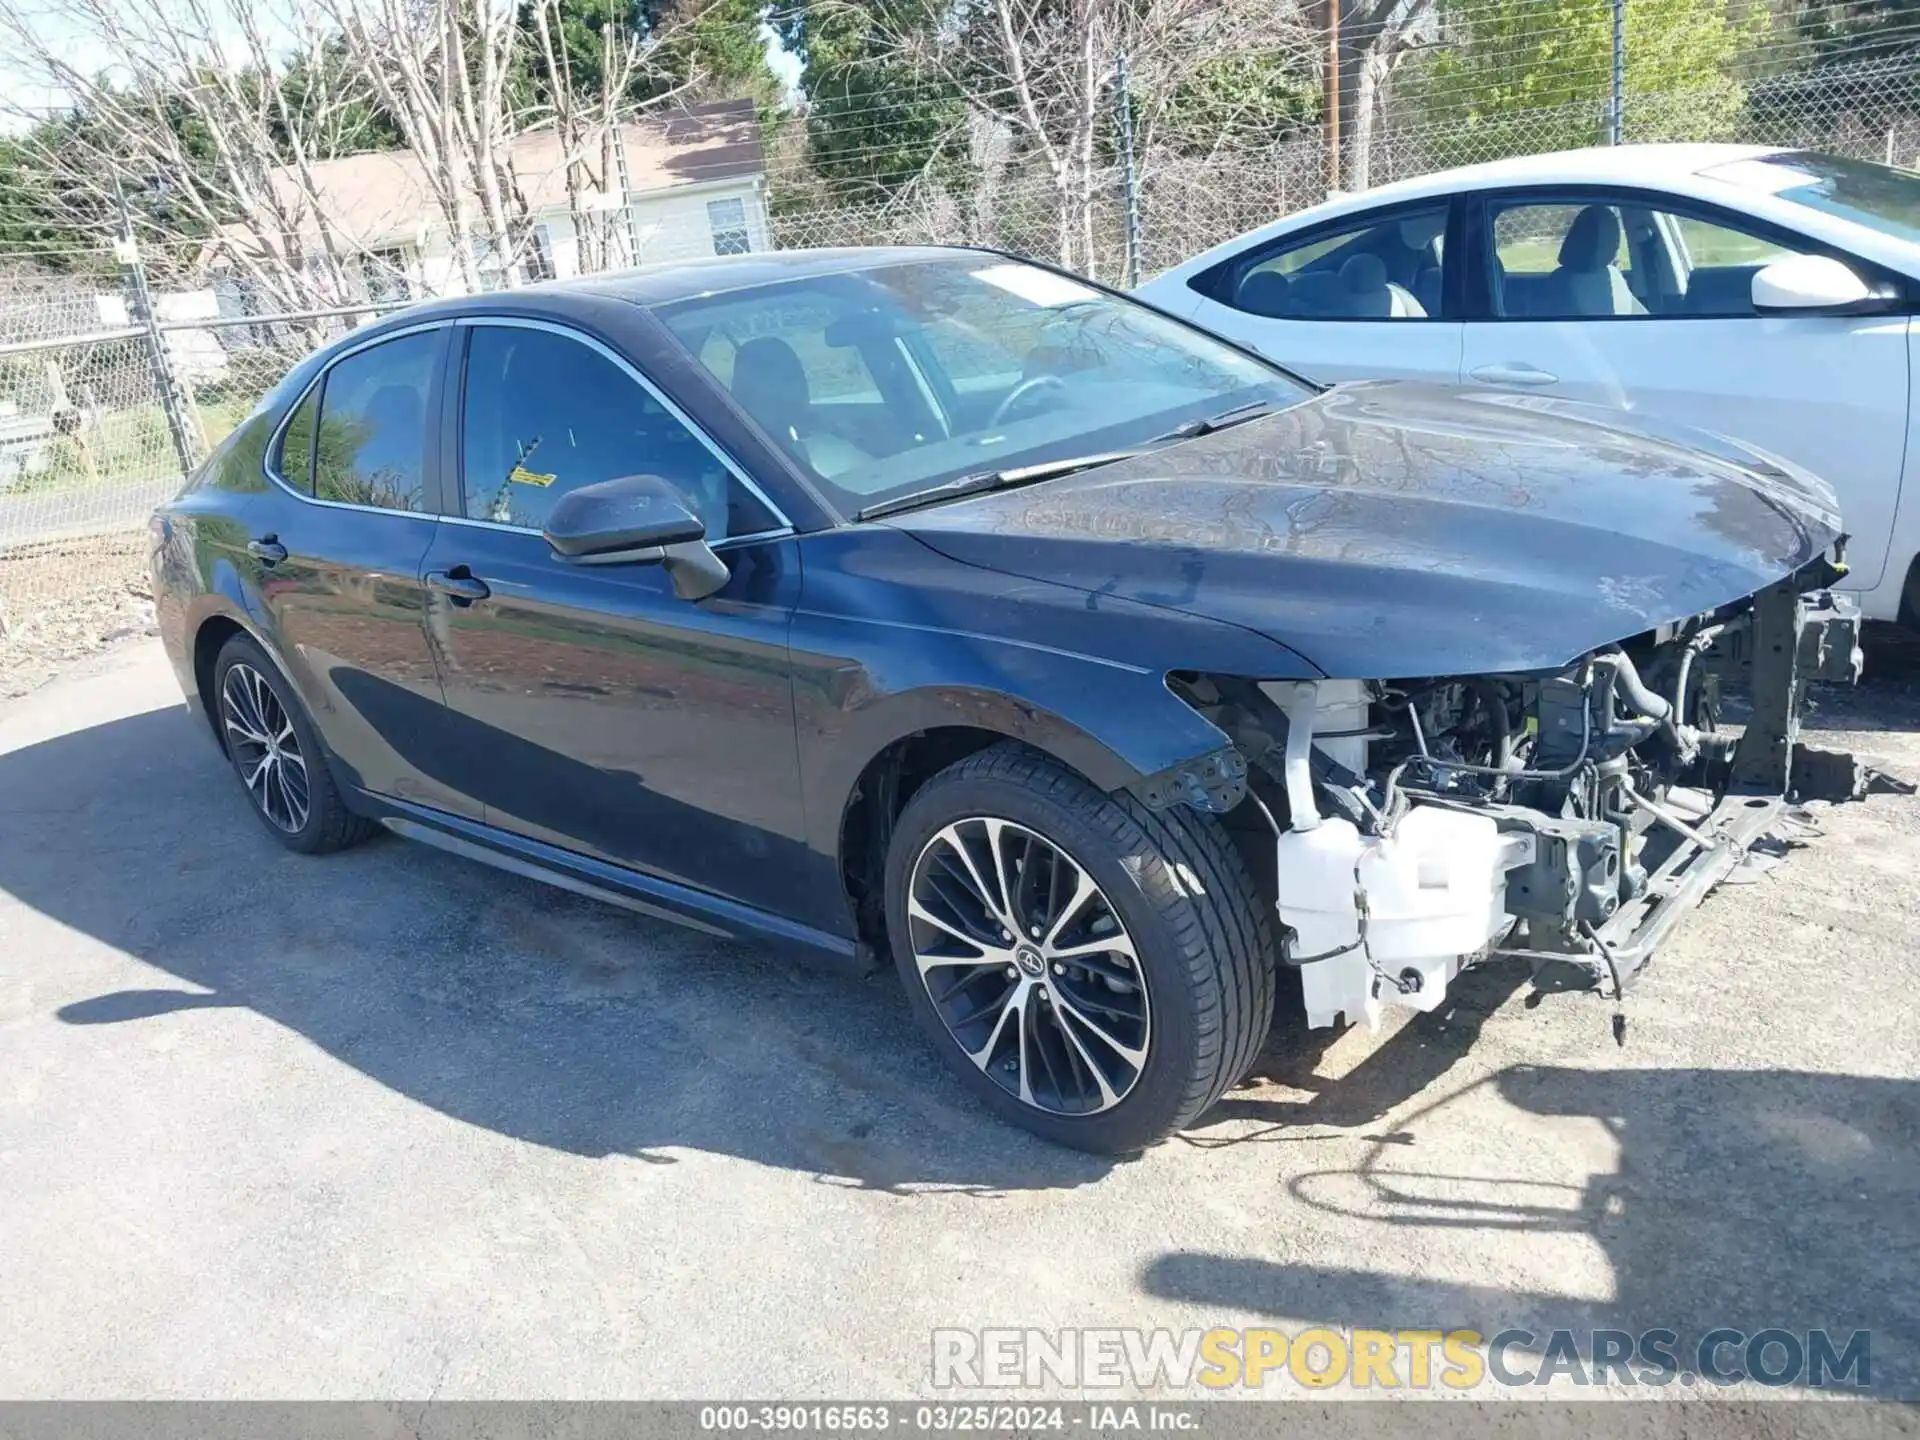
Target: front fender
1117,735
892,639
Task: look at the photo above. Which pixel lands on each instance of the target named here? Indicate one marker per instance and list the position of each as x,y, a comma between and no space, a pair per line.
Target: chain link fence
103,409
95,431
1187,203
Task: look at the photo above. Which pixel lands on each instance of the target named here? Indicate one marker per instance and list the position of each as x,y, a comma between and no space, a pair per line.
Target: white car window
1586,260
1561,262
1384,269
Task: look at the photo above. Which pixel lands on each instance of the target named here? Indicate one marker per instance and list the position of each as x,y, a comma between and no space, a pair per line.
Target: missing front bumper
1600,895
1619,948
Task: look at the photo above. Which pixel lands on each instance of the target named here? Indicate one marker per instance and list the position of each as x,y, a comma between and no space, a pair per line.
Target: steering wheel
1032,385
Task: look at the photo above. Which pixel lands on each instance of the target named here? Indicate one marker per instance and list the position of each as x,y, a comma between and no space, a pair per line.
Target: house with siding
666,187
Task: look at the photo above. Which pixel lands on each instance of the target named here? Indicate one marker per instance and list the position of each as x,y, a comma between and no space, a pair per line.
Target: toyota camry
934,608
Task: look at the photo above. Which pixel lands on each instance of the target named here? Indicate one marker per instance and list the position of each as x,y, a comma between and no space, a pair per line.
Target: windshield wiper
1226,419
980,481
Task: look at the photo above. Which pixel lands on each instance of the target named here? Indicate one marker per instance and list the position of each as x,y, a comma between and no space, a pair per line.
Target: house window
727,219
531,248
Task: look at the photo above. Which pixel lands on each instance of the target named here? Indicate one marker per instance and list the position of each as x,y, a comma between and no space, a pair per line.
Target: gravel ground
63,600
392,1124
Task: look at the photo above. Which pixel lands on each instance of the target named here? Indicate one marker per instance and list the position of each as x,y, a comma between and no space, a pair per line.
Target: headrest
1264,292
1364,273
769,382
1419,231
1592,240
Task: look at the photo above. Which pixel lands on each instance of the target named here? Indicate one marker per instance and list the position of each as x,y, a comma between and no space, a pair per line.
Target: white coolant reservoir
1434,893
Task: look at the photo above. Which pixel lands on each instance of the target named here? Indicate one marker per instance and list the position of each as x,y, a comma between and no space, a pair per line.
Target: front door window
546,414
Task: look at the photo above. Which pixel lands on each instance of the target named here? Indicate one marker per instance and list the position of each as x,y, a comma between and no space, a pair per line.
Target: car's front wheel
276,753
1096,972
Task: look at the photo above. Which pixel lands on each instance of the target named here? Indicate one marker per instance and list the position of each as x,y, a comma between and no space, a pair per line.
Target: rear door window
294,462
370,446
1389,268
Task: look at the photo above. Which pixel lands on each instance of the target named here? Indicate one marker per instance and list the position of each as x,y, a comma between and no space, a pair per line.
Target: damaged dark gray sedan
935,605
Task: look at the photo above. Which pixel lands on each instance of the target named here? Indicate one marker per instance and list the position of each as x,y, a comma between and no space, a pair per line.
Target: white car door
1646,306
1360,298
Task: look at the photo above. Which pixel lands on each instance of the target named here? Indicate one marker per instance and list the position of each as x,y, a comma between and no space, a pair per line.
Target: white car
1766,295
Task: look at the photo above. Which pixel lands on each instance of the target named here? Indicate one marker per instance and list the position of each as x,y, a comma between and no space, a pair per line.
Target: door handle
1514,372
458,584
267,549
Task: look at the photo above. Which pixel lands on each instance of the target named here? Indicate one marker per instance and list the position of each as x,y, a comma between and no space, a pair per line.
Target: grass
1708,246
126,446
1713,245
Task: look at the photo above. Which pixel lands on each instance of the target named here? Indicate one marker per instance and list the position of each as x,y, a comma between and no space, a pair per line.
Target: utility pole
1332,101
1129,181
1617,97
173,400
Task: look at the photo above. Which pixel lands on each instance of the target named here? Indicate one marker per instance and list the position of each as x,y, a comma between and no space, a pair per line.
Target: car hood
1392,529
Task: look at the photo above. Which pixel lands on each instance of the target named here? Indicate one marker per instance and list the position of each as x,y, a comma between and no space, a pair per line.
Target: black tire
1198,932
326,824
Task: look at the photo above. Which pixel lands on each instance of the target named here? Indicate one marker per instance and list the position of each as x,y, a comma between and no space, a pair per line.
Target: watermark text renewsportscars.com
1320,1358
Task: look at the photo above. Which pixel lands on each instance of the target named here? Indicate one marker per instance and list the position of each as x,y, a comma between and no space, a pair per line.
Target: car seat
1586,281
771,385
1363,288
1419,234
1264,292
1367,293
1427,289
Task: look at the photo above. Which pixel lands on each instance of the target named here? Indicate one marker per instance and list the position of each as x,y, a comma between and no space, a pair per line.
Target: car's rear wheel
1096,972
276,753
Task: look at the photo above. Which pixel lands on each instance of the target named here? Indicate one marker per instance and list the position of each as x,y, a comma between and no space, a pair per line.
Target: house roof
384,197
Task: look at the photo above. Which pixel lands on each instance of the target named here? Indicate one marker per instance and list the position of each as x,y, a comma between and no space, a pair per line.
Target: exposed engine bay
1571,817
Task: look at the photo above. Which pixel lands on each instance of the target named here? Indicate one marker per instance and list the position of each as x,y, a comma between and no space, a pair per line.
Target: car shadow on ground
1286,1092
1749,1199
495,1000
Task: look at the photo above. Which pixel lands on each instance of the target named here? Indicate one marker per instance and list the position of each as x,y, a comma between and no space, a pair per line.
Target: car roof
1596,164
672,280
710,275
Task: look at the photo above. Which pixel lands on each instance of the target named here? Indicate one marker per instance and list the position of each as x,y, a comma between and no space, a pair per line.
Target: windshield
885,382
1876,196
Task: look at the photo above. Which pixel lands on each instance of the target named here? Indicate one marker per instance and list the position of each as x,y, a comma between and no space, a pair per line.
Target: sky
782,61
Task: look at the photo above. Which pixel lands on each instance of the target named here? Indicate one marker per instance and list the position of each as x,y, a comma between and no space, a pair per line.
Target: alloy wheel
1029,966
265,748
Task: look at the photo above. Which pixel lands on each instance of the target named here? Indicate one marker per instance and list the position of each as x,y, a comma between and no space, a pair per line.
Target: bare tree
587,115
1044,70
445,70
186,112
441,70
1378,34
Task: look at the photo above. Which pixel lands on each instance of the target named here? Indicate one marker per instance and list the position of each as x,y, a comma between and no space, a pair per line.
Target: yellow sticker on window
520,475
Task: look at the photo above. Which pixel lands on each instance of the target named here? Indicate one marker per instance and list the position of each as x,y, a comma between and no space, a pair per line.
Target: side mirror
636,520
1813,284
